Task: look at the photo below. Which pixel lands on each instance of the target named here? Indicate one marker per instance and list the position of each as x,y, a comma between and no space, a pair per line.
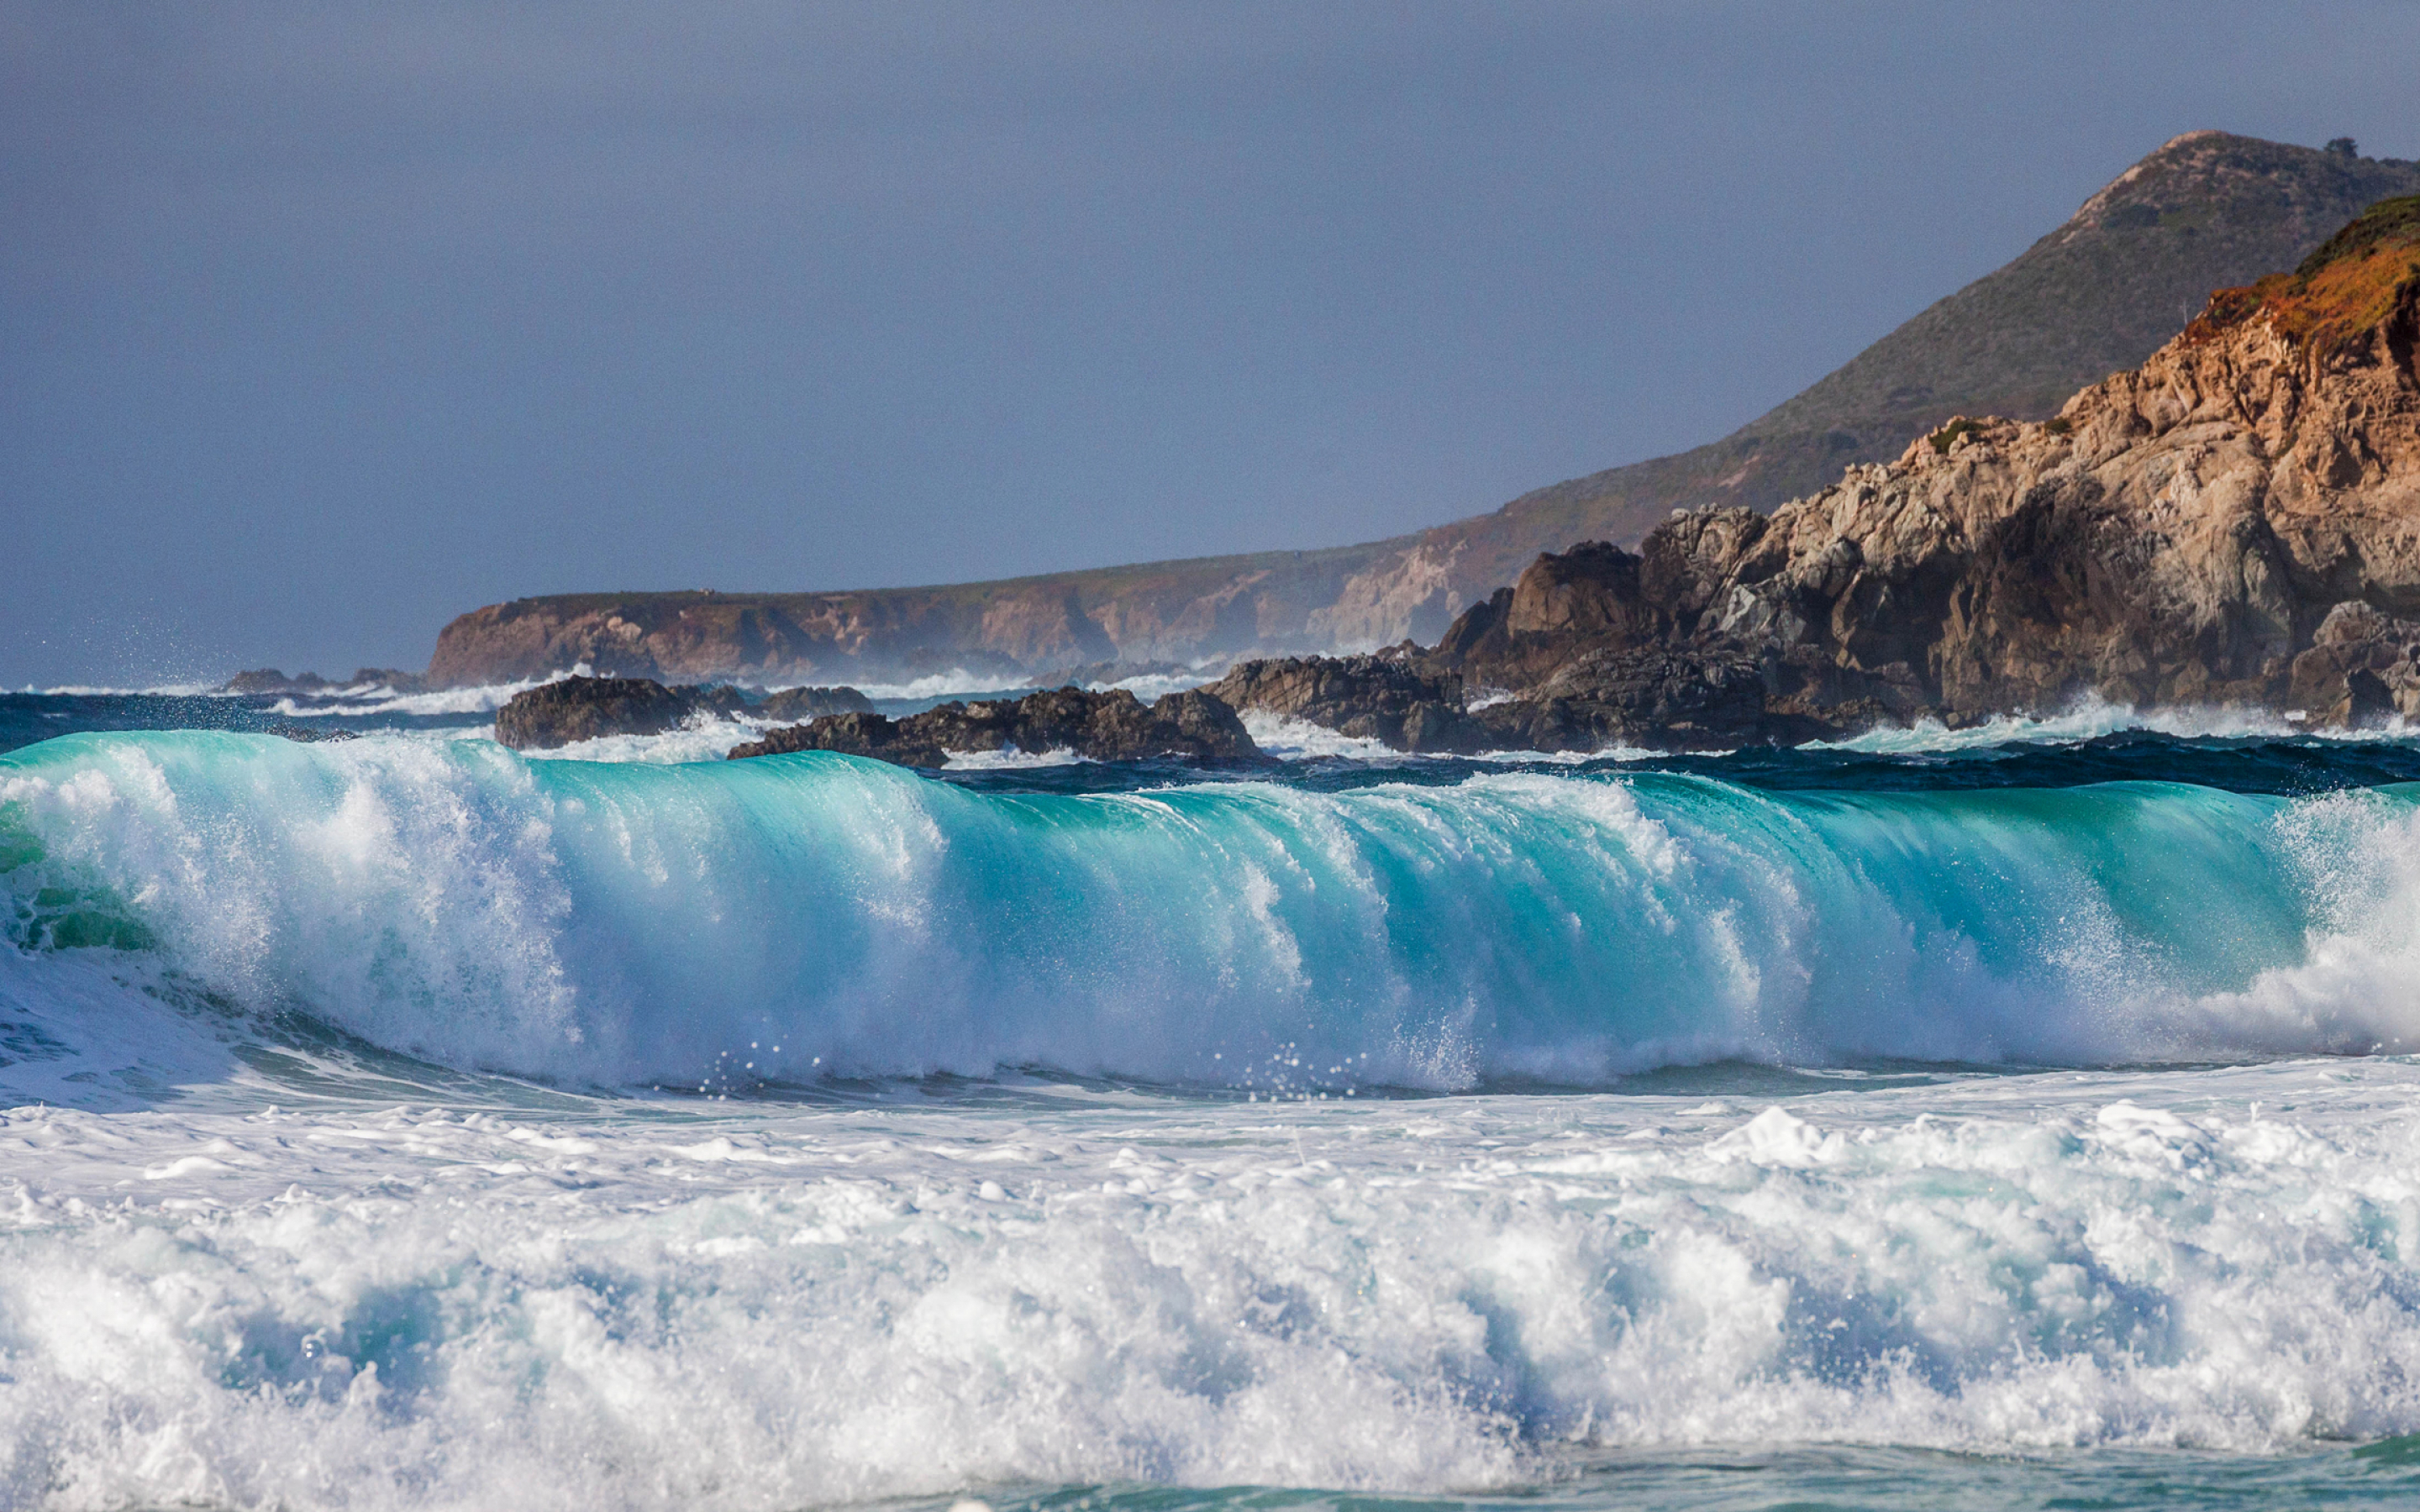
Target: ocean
2024,1116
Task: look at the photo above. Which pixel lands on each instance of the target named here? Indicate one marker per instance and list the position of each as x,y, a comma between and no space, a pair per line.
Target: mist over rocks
1114,726
269,680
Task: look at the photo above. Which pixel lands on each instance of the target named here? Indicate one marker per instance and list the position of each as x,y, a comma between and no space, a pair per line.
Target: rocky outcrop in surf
587,708
573,709
1115,726
1385,697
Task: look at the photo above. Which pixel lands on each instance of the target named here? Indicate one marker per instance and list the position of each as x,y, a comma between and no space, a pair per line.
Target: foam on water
2092,717
955,682
330,1305
1293,740
1152,687
372,701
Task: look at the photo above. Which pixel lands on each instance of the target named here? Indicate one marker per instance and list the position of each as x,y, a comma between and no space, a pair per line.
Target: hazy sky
321,323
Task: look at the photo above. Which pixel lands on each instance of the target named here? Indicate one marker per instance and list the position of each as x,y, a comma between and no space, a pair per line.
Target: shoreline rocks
1387,697
1114,726
574,709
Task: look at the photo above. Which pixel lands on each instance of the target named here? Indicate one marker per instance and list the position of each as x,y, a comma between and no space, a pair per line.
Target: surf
713,925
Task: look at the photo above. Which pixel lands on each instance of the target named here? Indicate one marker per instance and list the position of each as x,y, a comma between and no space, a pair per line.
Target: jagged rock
1113,726
1642,696
584,708
2363,667
1386,698
811,703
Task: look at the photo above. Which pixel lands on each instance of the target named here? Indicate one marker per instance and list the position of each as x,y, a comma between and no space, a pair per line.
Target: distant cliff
2098,294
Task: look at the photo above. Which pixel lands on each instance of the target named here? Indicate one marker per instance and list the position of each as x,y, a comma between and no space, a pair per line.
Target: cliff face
2236,521
1012,630
2098,294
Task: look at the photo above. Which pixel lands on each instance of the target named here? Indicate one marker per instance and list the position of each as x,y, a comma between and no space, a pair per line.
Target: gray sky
322,323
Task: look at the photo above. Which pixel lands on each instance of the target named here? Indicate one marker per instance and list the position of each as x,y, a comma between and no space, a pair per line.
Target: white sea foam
1293,740
341,1306
1011,759
161,690
1152,687
2093,718
955,682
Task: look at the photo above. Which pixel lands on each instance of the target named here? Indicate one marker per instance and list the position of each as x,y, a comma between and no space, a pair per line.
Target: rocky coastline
2233,524
2100,293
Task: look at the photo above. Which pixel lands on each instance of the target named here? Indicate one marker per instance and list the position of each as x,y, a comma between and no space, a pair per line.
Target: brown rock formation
2236,522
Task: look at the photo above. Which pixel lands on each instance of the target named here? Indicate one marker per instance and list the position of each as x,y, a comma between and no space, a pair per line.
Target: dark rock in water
1639,696
878,736
1385,697
1107,727
584,708
306,736
811,703
270,680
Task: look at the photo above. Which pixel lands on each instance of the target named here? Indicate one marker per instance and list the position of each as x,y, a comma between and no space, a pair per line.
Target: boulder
584,708
1109,727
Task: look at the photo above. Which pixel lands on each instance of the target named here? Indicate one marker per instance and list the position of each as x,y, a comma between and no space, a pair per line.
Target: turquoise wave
818,915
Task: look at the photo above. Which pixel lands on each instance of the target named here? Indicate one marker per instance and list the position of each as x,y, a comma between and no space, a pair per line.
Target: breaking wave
615,924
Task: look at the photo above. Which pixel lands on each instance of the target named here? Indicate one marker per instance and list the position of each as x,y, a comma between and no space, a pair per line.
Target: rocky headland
2234,523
